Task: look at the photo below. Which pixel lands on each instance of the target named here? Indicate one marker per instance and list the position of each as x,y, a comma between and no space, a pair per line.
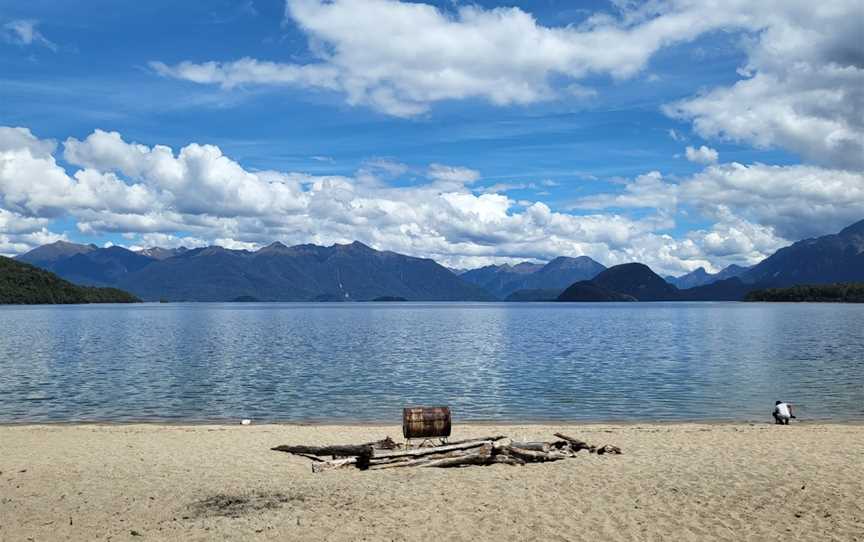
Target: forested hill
24,284
817,293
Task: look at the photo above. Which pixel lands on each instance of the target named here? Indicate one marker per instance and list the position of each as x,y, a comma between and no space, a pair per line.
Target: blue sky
76,67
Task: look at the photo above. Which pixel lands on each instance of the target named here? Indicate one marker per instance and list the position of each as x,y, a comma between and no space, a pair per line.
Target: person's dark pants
780,420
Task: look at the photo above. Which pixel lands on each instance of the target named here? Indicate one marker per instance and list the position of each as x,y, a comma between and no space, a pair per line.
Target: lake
489,361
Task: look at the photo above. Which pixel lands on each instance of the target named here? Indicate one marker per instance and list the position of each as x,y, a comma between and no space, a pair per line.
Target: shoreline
393,423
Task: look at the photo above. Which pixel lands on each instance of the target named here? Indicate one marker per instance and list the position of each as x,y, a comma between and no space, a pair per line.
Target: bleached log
415,460
333,464
482,456
376,454
474,456
477,439
533,446
532,456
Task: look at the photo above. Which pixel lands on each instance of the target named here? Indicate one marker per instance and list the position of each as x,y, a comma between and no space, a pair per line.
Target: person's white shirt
782,410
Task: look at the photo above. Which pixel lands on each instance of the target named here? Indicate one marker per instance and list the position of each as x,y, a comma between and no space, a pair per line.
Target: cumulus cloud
733,239
24,32
20,233
796,201
400,57
645,191
703,155
803,87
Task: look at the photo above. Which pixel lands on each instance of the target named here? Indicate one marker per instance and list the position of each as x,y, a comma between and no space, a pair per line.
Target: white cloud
646,191
452,175
675,135
506,187
20,233
24,32
733,239
803,86
703,155
400,57
796,201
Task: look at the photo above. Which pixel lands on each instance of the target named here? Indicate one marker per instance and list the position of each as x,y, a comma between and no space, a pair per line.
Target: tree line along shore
815,293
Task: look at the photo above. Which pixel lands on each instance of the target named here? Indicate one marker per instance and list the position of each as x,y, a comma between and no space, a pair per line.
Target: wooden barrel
426,422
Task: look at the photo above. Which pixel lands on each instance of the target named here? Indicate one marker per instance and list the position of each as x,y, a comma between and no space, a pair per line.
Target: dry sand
674,482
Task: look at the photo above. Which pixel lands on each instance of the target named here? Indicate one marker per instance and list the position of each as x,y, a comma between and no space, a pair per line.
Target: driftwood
505,459
430,450
576,444
456,458
338,450
333,464
476,439
534,446
387,454
532,456
609,449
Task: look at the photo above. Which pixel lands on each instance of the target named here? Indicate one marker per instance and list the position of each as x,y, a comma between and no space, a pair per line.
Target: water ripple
364,362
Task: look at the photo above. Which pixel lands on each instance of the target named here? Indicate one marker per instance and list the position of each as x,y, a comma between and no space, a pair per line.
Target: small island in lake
816,293
24,284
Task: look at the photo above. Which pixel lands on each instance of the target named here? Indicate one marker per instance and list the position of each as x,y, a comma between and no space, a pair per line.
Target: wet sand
742,481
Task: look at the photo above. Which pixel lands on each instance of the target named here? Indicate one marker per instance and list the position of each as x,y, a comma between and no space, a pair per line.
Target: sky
678,133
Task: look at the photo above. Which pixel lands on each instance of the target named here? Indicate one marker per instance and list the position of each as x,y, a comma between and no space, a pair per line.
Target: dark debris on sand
234,506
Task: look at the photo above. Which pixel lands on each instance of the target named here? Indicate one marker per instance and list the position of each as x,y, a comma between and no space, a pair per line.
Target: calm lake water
365,361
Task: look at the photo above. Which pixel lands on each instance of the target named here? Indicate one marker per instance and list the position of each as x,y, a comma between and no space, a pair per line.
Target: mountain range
504,280
353,272
700,277
836,258
356,272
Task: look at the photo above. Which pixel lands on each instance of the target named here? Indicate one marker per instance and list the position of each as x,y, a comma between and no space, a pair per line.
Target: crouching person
782,413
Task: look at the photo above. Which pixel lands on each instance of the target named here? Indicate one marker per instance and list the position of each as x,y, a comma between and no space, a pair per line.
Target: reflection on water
365,361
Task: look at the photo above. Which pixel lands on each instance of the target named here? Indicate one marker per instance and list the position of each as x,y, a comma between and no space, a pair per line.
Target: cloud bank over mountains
151,193
800,90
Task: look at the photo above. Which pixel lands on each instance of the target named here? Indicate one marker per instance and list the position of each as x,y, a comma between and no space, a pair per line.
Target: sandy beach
674,482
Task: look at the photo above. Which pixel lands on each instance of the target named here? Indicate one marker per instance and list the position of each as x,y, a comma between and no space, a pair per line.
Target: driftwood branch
337,450
477,439
333,464
532,456
575,443
534,446
456,458
430,450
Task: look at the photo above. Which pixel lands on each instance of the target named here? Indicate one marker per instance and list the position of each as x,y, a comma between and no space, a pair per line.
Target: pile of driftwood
387,454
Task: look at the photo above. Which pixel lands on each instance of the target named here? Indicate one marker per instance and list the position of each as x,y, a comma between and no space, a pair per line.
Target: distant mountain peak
357,245
160,253
55,251
273,247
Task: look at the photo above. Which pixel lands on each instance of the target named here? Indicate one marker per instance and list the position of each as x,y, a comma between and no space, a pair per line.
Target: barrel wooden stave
426,422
